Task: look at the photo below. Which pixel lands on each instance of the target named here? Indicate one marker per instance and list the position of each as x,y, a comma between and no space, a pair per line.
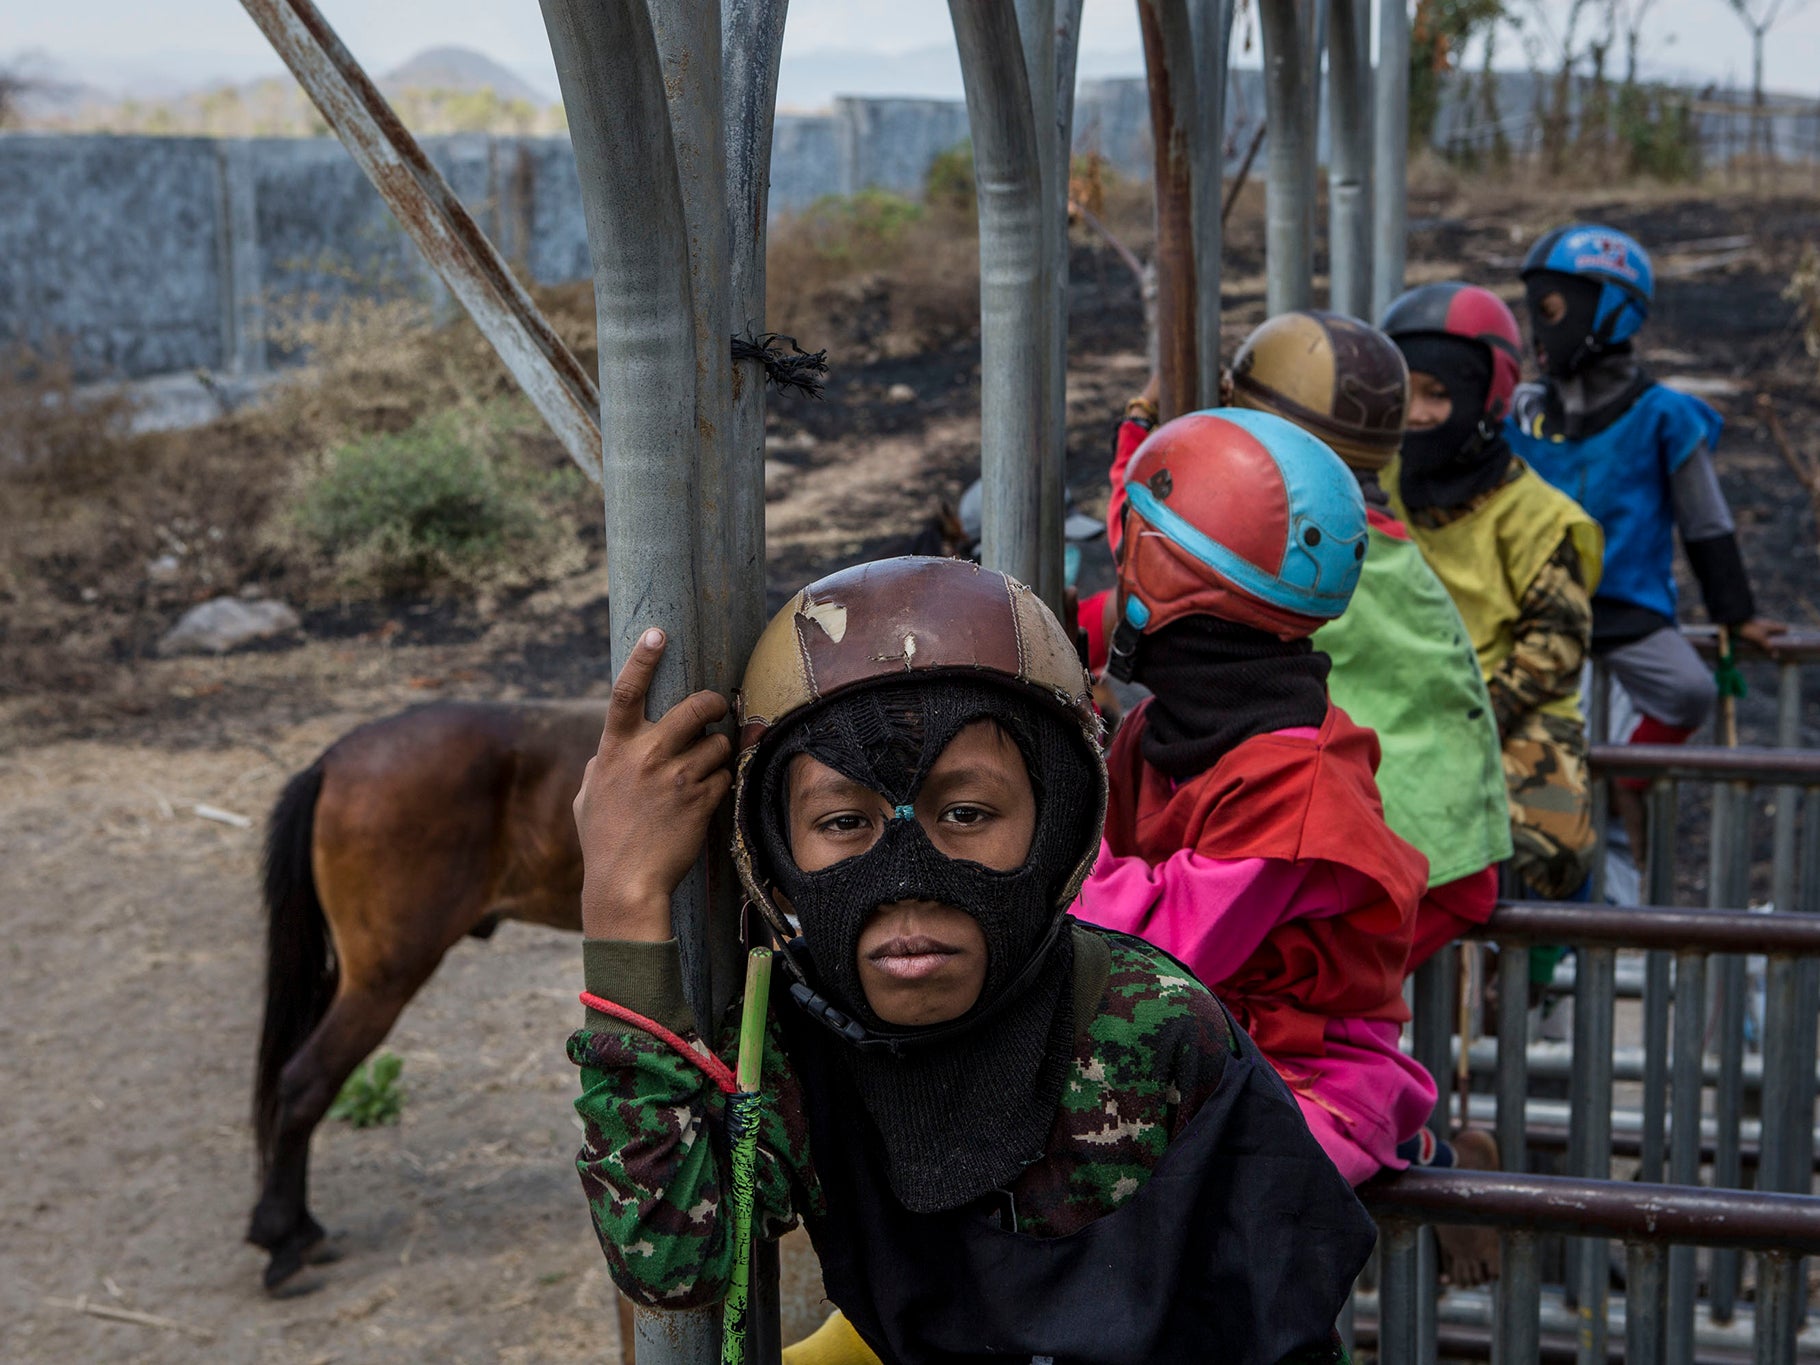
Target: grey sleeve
1700,507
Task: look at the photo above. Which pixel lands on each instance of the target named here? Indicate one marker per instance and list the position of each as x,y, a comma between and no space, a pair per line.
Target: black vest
1240,1248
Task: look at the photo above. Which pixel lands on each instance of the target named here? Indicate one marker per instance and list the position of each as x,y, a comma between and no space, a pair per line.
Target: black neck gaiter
1217,683
1450,464
1597,394
961,1107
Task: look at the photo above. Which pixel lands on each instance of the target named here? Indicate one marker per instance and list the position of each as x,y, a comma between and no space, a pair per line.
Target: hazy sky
181,43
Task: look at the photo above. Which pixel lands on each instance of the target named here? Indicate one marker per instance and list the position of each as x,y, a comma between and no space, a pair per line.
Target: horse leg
356,1023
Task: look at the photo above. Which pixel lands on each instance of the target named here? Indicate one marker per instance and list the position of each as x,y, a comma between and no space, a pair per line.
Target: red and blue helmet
1241,515
1613,259
1472,314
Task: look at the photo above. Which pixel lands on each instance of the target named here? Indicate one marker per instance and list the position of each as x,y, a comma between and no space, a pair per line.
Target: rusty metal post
1019,329
1291,74
1169,70
557,384
1349,157
1390,156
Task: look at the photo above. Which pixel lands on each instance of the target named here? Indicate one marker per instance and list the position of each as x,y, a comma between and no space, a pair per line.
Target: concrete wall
150,255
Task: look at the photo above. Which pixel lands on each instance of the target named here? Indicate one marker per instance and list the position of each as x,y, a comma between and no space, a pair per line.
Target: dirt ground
131,966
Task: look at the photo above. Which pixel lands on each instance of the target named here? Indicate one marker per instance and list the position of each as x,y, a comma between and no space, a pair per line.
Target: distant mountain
461,69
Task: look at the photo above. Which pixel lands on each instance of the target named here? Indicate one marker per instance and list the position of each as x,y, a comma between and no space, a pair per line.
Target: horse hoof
292,1257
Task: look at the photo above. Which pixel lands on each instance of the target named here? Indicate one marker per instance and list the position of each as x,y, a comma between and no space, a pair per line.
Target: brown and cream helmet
1334,376
909,619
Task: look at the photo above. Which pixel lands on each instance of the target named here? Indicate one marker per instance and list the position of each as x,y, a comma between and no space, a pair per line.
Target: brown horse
407,834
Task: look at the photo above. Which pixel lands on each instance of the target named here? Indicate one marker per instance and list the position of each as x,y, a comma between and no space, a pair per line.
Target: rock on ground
225,623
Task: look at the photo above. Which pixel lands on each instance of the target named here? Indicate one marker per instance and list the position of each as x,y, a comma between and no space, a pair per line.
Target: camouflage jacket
652,1152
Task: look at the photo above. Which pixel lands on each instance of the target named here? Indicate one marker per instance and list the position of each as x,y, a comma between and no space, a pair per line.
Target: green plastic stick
743,1120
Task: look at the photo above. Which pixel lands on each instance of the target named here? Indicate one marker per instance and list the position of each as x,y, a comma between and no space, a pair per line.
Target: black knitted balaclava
1448,465
1563,347
960,1107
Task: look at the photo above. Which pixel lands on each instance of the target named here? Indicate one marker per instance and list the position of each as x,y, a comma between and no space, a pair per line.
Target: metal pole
1788,736
1778,1309
1398,1294
1349,157
1051,35
1644,1303
1516,1328
421,201
1659,889
1021,514
1513,1056
1390,161
1589,1130
1729,887
752,40
1684,1141
1290,76
1433,1027
1170,71
641,81
1210,29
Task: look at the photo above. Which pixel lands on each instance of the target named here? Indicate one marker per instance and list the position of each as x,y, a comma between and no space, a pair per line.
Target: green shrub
858,231
948,184
447,503
372,1096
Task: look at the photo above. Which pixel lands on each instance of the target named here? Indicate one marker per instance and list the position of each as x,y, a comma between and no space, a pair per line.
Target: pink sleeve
1212,913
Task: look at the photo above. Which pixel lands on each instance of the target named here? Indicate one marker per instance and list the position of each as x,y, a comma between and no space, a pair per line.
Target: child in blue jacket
1638,457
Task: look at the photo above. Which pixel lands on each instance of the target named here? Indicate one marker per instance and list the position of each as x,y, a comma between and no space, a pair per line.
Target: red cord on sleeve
710,1066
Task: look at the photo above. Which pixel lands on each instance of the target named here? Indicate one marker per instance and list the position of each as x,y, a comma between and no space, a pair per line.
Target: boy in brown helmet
1010,1136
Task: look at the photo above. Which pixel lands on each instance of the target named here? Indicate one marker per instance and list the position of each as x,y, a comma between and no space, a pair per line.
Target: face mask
1448,464
959,1108
1564,346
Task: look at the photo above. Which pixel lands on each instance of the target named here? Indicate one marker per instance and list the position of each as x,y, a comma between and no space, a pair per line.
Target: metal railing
1785,1134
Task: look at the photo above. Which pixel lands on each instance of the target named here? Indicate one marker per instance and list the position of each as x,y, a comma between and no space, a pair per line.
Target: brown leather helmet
1334,376
898,619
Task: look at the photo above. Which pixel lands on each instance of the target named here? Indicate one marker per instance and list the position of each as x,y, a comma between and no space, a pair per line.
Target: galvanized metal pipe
1778,1318
1020,446
1598,727
1390,160
1660,890
431,215
1517,1327
1684,1141
1291,72
1788,736
752,39
1349,157
1645,1303
1589,1132
1513,1062
1399,1294
1432,1025
1729,884
1210,33
1635,926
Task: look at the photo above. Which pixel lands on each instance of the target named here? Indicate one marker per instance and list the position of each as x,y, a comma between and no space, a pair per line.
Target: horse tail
300,976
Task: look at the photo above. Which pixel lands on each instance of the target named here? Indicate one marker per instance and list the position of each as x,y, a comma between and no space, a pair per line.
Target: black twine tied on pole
792,369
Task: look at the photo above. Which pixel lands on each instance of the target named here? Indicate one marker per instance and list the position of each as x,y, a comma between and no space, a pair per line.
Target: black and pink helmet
1472,314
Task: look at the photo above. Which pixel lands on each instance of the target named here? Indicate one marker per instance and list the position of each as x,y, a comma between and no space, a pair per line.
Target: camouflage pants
1551,829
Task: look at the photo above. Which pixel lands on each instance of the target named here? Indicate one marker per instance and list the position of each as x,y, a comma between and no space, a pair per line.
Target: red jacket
1293,798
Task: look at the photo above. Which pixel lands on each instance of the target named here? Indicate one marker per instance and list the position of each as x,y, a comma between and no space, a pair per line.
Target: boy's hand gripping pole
742,1133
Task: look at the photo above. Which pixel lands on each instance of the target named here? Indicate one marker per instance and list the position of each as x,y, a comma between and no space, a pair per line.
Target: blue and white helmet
1614,259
